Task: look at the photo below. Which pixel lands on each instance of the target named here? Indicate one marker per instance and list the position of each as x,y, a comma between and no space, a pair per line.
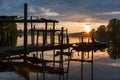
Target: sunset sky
76,15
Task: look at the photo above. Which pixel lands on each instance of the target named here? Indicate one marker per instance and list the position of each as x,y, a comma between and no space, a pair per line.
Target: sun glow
87,28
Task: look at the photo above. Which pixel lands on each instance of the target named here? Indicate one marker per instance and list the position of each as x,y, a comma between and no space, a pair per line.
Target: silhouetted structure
37,62
25,49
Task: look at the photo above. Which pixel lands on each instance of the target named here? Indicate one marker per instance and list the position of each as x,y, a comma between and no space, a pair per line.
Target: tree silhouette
100,33
113,29
8,34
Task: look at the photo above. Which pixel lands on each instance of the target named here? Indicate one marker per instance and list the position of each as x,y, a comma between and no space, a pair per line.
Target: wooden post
25,31
61,51
67,38
51,37
93,40
33,41
37,43
37,38
53,42
32,31
45,32
59,38
43,38
82,38
53,34
62,35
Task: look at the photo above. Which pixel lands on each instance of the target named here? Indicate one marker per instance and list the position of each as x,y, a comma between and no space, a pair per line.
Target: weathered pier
63,40
36,62
10,51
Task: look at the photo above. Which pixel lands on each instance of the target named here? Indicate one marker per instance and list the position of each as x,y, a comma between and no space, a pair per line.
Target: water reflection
114,43
53,65
114,52
39,65
41,68
84,57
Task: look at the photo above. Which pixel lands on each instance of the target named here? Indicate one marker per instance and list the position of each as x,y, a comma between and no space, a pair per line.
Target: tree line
110,33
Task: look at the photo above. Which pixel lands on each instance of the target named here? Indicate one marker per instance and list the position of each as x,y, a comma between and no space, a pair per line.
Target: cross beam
28,21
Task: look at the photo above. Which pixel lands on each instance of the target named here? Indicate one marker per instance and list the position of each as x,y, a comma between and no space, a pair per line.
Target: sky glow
70,13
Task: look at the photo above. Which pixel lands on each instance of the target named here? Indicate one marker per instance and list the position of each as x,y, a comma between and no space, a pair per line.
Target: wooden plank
42,30
29,21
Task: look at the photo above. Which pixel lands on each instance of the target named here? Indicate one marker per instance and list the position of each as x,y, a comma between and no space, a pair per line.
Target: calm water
102,67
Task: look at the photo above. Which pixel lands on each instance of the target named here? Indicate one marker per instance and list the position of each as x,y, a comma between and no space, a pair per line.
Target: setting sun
87,28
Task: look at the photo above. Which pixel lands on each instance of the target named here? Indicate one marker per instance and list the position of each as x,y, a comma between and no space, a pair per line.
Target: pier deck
9,51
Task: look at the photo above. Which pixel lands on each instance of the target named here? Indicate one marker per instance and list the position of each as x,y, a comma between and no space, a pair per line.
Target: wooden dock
63,40
9,51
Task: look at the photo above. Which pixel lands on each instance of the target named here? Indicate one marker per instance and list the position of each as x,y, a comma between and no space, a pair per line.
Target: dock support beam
67,38
53,34
46,25
32,31
25,31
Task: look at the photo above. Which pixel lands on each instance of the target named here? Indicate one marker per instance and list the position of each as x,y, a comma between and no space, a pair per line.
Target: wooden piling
25,31
45,34
62,29
61,49
32,32
82,38
43,38
37,42
51,37
59,38
53,34
33,41
67,38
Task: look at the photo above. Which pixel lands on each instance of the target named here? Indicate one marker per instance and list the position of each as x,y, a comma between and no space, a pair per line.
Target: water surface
98,66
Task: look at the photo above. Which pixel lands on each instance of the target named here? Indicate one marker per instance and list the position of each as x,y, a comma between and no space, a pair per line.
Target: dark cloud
65,8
